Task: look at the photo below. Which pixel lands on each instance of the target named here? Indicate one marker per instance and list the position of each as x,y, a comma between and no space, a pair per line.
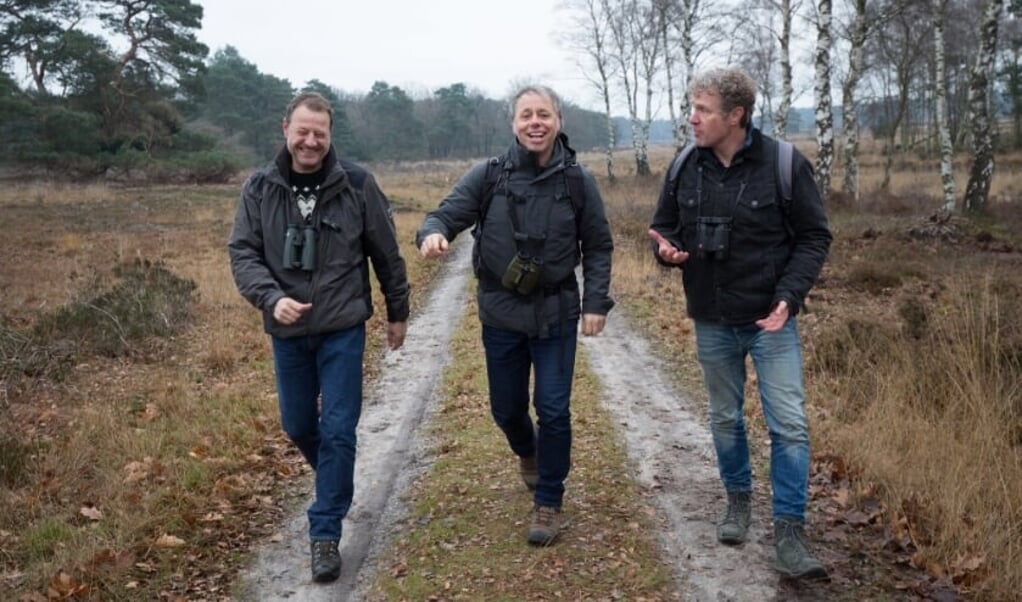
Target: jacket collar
563,155
751,149
334,172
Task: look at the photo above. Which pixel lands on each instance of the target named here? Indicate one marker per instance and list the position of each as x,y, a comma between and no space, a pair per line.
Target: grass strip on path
464,536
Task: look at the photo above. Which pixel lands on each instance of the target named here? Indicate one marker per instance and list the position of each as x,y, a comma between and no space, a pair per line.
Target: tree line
931,77
93,87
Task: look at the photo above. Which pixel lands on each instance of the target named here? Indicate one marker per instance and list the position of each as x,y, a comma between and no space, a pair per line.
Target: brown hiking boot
530,474
546,524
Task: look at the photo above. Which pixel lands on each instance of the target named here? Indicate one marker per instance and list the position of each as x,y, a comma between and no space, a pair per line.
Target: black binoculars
300,248
522,274
713,237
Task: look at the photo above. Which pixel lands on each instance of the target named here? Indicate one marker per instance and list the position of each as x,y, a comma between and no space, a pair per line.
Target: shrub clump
148,301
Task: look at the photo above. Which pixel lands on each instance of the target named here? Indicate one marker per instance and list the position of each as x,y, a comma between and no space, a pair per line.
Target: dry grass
912,355
913,364
147,474
466,531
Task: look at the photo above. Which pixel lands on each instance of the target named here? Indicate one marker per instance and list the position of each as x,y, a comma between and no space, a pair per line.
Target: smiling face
307,135
536,125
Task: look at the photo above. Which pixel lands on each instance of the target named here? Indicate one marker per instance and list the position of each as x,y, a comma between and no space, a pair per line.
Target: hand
775,321
592,324
287,311
667,251
433,246
396,334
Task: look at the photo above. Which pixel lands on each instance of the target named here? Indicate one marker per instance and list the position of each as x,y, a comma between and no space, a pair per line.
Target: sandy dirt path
666,437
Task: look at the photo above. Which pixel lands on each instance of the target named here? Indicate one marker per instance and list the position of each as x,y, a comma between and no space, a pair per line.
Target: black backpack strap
785,151
494,170
576,187
497,168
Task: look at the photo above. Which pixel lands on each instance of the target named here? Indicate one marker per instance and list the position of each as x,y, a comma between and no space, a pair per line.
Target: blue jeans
510,357
777,359
327,366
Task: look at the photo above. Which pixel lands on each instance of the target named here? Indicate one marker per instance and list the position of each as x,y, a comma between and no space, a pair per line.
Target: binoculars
522,274
300,248
713,237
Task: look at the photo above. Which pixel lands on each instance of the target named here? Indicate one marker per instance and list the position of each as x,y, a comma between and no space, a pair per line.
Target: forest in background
111,88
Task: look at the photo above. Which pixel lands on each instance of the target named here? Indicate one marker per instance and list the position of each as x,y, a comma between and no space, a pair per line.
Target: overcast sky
419,45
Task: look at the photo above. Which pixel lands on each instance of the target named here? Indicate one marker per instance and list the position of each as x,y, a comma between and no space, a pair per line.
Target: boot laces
793,532
545,515
737,506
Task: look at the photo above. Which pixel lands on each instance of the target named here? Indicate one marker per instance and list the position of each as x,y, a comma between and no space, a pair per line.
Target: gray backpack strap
677,164
784,155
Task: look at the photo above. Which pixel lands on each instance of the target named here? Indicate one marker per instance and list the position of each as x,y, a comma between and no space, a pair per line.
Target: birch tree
680,54
850,98
898,44
637,54
982,171
758,53
824,111
591,40
947,178
780,117
665,10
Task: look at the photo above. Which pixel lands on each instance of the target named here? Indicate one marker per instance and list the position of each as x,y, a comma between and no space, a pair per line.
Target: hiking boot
546,524
734,525
326,560
530,474
794,558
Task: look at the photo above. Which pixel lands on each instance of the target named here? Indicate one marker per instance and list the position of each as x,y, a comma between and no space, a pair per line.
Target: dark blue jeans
510,357
329,367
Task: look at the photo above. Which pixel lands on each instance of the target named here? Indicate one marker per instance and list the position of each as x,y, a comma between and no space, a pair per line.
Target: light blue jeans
327,366
777,359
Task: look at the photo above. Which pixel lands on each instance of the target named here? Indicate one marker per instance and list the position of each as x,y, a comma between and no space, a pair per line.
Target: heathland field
141,456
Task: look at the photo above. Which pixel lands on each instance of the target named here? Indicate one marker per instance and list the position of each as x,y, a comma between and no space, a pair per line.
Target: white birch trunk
824,110
664,8
787,90
982,171
690,10
598,52
850,101
947,176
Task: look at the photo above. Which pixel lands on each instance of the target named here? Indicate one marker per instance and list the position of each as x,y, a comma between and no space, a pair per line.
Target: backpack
496,173
497,169
784,170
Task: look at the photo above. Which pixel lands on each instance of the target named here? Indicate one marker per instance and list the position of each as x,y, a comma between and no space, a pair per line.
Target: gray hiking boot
734,525
546,524
794,558
530,474
326,560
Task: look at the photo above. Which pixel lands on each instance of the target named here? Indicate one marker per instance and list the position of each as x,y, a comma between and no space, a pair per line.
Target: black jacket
775,252
354,226
543,210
